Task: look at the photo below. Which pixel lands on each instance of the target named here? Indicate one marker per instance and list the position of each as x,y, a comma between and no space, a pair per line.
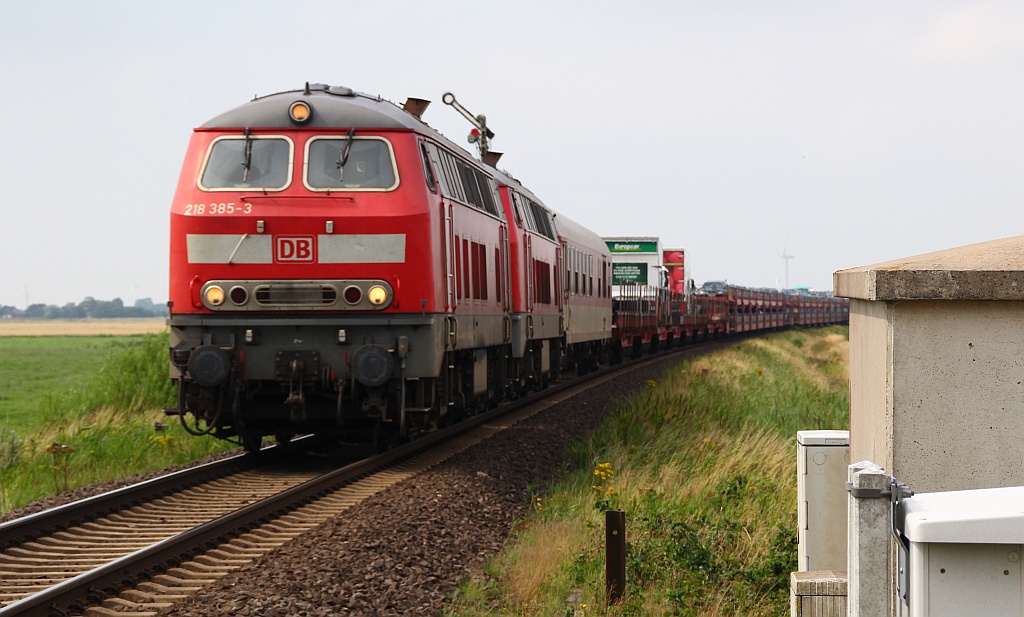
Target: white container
822,461
965,552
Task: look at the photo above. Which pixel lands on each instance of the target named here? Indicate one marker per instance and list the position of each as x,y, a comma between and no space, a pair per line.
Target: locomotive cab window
247,162
349,164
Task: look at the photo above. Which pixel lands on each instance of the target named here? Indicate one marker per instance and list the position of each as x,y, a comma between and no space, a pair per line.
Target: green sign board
624,274
632,247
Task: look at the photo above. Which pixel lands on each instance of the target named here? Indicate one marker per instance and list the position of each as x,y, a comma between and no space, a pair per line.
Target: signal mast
479,134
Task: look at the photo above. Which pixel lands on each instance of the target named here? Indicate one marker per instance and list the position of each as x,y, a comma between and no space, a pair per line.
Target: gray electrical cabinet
964,553
823,458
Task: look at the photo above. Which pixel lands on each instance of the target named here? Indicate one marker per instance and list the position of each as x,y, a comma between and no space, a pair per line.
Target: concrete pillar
870,581
937,366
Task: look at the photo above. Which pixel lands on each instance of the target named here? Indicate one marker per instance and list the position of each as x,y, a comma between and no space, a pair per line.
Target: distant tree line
90,308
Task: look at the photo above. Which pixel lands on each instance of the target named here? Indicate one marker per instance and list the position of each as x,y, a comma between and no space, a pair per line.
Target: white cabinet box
823,458
964,552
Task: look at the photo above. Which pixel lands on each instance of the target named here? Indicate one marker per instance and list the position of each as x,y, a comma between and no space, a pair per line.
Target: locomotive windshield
247,162
344,164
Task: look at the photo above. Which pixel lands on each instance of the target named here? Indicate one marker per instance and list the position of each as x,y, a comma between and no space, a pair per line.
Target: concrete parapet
937,366
986,271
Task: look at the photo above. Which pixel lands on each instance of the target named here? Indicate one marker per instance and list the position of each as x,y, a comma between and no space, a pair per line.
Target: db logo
293,248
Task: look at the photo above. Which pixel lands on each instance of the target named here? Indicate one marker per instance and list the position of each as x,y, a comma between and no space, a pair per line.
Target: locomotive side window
469,182
435,158
359,163
478,187
520,205
454,181
489,192
462,182
545,226
428,173
451,184
516,212
247,162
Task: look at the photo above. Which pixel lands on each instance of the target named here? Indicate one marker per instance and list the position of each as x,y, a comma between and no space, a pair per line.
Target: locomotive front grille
295,294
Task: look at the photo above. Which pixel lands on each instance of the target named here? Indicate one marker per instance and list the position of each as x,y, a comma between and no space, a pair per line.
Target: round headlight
214,295
377,295
300,112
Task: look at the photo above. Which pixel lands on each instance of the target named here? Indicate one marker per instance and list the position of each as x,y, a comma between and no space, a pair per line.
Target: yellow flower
59,448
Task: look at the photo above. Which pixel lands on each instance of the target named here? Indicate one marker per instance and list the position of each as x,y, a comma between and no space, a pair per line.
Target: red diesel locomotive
339,267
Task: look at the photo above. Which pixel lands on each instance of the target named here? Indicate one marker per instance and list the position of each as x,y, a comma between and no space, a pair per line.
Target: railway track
140,556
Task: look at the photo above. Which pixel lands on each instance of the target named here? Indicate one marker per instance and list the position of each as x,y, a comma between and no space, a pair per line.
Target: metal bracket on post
895,493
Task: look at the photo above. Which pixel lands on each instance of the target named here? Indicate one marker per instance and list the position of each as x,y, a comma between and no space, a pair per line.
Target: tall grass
131,378
703,463
109,426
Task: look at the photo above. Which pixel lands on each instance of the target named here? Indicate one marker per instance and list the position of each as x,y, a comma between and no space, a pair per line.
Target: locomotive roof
333,106
338,106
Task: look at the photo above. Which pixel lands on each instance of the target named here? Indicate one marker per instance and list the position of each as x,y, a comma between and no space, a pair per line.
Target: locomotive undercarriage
245,379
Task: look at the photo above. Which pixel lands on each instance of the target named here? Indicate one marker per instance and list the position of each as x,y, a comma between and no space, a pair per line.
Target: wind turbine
785,258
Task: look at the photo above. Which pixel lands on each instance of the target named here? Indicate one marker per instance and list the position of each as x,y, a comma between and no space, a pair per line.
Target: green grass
96,422
32,367
703,463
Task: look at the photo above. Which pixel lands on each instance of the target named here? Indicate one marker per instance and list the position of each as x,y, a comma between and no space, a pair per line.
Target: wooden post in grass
615,555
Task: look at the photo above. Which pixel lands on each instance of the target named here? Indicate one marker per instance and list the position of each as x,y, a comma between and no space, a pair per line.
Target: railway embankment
702,463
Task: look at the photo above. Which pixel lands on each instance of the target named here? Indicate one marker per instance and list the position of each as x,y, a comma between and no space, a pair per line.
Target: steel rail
47,522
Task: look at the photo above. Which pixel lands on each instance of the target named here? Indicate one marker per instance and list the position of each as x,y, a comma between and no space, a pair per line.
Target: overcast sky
843,133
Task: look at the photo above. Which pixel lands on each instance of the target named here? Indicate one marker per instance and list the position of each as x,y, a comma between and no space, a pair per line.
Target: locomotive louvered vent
296,294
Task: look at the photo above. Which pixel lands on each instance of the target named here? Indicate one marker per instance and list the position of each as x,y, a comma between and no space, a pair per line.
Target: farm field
33,367
81,327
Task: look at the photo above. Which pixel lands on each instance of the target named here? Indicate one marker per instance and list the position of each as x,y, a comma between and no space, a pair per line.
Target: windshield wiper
344,155
247,161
